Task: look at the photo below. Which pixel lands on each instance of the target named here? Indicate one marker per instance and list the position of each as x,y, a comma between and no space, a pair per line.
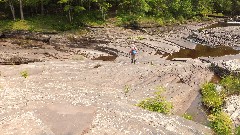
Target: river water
203,51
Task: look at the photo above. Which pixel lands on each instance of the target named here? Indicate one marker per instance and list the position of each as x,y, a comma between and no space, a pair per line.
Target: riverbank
69,70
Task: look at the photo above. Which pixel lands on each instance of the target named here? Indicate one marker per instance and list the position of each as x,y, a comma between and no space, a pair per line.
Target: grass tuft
157,103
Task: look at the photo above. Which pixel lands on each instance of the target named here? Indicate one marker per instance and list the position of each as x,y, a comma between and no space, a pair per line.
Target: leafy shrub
231,84
24,74
127,88
20,25
196,18
128,20
91,18
61,26
237,130
49,23
181,19
211,98
160,21
187,116
5,25
157,103
221,123
135,20
140,37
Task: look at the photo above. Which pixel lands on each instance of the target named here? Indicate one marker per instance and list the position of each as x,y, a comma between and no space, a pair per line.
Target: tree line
157,8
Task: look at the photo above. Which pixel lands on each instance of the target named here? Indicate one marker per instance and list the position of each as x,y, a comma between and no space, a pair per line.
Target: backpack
134,51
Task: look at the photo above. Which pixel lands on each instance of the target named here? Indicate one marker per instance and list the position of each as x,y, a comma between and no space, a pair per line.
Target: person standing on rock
133,52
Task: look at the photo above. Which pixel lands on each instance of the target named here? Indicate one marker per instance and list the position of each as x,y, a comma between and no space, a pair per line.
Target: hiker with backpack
133,52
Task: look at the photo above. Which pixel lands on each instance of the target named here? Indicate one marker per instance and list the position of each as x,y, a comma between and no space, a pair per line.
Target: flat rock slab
64,119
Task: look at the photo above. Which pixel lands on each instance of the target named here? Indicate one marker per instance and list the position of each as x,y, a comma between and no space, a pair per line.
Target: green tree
202,7
186,9
174,7
21,9
70,8
134,6
235,7
158,7
222,6
10,3
34,4
103,7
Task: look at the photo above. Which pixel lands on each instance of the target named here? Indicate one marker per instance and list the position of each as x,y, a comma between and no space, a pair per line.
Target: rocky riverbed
217,35
80,81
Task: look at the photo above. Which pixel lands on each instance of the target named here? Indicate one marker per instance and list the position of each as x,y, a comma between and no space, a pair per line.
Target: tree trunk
36,9
81,3
69,16
103,14
12,10
31,9
42,8
21,9
89,5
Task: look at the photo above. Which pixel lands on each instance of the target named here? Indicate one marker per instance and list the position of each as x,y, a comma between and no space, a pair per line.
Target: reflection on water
203,51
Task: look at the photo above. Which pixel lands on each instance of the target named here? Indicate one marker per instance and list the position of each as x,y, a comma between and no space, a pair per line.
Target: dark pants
133,58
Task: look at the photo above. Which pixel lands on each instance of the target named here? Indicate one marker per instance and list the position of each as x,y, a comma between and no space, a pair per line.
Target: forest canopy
78,11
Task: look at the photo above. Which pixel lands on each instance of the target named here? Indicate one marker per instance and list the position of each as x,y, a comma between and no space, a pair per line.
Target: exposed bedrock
224,65
227,36
90,95
68,74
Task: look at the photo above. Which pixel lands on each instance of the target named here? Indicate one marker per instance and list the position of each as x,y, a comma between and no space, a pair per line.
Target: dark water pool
203,51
